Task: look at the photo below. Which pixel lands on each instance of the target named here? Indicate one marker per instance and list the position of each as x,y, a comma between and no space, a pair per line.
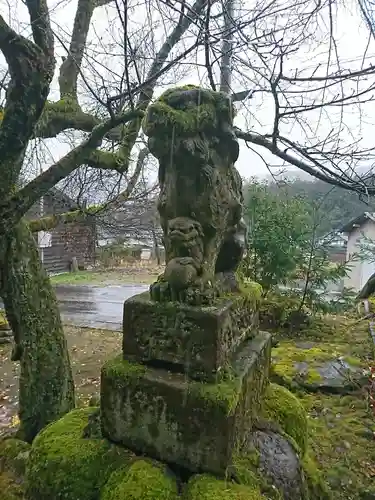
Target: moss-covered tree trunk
46,389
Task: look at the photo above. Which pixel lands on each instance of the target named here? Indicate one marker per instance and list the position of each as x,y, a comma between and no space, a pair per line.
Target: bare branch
40,24
50,222
227,48
21,202
311,168
132,130
71,65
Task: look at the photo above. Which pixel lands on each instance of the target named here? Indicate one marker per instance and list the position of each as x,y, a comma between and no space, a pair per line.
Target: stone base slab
200,341
197,425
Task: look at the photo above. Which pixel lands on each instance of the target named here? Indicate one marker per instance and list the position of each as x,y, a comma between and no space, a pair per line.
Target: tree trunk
46,388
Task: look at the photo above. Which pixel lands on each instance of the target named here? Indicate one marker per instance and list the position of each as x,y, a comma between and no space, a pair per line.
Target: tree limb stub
71,66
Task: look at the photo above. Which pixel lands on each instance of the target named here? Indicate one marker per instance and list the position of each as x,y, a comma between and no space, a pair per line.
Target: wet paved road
94,306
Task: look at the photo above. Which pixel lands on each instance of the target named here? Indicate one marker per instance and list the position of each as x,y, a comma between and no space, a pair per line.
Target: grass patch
342,441
104,277
341,428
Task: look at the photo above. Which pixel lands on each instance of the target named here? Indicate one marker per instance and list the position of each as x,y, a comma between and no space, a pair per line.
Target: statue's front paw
159,291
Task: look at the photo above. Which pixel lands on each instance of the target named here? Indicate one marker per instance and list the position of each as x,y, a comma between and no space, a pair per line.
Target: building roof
358,222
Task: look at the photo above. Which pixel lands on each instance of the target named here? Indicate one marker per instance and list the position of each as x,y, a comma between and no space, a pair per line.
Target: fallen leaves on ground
88,349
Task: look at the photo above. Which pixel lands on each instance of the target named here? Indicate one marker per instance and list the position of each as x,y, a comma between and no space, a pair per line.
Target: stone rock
141,481
275,453
199,341
317,367
165,415
279,462
331,376
65,465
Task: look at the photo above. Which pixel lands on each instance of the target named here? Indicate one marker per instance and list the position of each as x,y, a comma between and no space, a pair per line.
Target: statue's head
184,233
188,112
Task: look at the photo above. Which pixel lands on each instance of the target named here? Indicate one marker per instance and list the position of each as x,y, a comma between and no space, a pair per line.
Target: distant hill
334,206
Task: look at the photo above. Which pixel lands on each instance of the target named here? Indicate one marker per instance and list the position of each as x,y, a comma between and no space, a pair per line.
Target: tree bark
46,389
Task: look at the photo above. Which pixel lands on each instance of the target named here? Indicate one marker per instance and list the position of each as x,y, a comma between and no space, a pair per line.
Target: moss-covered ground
341,428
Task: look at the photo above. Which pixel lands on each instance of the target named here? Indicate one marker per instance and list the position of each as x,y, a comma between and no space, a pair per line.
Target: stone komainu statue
190,131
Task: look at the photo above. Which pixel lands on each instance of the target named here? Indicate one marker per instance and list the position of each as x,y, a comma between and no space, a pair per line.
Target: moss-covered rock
273,464
141,481
63,465
206,487
316,366
14,454
245,470
282,407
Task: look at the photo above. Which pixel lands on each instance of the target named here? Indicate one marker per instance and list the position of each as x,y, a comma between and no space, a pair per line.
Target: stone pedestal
165,415
198,341
189,383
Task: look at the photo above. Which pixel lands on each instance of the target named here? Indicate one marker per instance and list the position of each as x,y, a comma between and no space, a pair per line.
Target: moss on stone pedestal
172,418
199,340
205,487
65,466
141,481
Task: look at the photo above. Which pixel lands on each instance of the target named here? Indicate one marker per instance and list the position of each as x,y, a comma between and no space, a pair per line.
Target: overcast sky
352,40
